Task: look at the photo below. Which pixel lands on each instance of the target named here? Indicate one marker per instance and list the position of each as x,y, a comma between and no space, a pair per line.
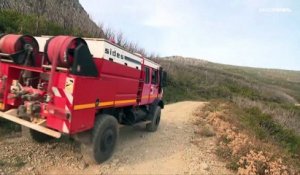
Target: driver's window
154,76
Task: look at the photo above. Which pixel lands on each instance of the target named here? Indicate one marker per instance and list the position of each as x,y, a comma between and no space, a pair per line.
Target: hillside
273,92
65,13
194,79
260,103
199,79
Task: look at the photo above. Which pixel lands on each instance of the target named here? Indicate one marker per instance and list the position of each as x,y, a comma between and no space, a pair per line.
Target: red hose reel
61,49
19,48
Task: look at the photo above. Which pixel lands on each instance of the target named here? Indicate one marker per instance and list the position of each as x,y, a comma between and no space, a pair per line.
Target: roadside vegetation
249,140
202,80
252,111
15,22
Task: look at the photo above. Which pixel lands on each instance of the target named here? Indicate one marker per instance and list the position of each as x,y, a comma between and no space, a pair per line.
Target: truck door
154,85
147,86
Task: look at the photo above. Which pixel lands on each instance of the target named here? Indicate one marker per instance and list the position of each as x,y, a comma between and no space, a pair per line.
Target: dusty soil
170,150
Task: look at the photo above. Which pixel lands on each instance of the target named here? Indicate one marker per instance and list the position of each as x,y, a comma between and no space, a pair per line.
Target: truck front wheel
105,136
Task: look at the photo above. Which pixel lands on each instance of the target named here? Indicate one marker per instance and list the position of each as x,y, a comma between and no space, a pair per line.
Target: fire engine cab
65,85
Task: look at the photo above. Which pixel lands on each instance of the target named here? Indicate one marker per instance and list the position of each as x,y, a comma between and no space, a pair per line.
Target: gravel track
168,151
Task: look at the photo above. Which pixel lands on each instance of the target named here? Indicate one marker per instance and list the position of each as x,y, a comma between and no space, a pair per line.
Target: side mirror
163,78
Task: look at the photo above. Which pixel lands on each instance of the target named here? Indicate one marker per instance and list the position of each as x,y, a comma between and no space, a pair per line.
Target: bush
206,131
14,22
249,140
266,128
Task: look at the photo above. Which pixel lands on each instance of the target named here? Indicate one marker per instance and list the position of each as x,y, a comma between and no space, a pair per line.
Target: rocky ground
170,150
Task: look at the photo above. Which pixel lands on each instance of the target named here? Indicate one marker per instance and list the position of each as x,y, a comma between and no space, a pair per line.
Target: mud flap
11,116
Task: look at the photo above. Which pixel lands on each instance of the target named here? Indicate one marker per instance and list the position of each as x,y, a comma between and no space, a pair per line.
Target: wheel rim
107,141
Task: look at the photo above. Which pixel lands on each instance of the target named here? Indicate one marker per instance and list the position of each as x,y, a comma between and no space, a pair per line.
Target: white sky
258,33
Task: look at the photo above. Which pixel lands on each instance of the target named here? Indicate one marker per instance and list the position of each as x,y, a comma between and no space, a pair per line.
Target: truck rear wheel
39,137
105,136
152,127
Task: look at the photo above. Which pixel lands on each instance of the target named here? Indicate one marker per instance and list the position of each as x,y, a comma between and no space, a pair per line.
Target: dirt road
167,151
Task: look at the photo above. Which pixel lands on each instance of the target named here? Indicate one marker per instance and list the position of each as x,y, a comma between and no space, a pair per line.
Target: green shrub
266,128
14,22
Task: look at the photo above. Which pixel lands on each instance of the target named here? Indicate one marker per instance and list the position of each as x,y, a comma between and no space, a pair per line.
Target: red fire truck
65,85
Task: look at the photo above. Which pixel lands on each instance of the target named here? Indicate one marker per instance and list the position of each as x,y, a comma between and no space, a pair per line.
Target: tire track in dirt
167,151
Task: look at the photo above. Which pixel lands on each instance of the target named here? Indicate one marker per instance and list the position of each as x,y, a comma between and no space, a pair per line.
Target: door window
154,76
147,75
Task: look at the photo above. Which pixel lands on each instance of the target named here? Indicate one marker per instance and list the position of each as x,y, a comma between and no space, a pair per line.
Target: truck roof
102,48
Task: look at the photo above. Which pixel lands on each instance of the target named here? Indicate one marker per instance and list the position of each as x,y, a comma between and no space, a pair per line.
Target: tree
109,34
39,8
100,32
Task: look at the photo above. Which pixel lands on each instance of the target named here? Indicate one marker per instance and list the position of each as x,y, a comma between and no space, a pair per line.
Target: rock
82,166
121,169
30,168
79,157
195,158
204,166
2,172
179,127
115,161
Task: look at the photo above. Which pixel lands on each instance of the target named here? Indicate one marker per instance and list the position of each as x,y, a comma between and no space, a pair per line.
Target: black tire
105,136
152,127
39,137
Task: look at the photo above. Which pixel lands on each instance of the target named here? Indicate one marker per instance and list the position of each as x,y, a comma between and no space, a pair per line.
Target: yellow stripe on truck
147,96
84,106
1,106
108,103
124,101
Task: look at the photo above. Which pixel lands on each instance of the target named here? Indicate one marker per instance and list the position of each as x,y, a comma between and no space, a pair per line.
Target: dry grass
287,117
194,79
240,147
206,131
